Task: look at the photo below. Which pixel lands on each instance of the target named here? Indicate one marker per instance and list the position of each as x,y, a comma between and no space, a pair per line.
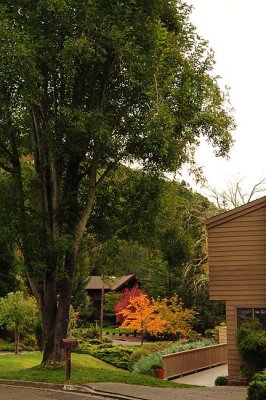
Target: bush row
117,356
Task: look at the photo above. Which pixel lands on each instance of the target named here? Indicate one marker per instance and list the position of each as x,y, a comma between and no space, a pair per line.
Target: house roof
236,212
109,282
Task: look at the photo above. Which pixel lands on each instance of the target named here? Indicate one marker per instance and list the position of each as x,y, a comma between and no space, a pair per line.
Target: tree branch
108,170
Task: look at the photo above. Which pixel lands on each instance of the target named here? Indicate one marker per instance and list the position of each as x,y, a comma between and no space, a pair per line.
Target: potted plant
158,370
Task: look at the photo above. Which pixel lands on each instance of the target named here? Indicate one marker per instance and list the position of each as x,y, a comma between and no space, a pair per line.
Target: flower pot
159,373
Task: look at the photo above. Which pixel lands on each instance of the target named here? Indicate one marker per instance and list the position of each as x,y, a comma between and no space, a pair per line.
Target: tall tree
85,85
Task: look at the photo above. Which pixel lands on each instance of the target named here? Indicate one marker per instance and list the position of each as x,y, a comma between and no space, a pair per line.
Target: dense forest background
142,223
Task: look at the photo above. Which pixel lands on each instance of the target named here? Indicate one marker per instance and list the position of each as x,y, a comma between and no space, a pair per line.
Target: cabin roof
109,282
236,212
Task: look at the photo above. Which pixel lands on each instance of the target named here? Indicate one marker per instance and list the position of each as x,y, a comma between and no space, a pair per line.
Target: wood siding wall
222,334
237,265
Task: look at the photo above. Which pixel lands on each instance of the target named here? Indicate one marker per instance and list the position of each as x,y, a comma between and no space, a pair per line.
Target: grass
85,369
113,329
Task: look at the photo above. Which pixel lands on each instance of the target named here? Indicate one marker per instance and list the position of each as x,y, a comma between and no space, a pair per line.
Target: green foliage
119,356
85,370
85,86
257,390
80,300
91,332
146,363
221,381
251,340
165,248
110,300
17,312
149,348
8,272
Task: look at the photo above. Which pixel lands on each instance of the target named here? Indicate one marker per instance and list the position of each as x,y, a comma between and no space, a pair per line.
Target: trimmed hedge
117,356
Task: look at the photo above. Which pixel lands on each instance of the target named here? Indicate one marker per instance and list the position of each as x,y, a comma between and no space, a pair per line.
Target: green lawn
85,369
112,329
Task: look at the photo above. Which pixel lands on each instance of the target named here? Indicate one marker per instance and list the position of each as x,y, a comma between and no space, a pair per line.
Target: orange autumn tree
143,315
178,319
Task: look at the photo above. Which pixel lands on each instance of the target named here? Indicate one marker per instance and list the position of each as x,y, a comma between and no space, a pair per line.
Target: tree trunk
55,319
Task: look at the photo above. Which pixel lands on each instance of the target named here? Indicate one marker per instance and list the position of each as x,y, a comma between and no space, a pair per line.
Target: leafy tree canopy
17,314
85,85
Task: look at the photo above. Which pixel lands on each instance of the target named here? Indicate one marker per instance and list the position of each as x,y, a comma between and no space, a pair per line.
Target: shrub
92,332
145,364
257,390
251,340
114,355
212,333
83,348
221,381
6,347
146,350
29,341
261,376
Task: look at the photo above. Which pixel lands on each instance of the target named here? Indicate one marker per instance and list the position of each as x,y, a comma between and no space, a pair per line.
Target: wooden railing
193,360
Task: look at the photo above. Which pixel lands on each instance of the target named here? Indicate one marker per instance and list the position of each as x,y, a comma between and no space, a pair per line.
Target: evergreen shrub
257,390
251,340
221,381
118,356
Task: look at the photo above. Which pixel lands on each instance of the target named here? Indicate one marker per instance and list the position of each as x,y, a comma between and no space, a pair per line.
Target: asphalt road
21,393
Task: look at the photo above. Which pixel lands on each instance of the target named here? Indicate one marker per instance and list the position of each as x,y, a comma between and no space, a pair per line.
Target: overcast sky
236,31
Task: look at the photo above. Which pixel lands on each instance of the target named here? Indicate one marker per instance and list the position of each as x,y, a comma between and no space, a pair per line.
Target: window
250,314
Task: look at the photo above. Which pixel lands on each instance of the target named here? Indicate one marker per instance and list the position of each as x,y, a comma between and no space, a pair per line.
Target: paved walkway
204,378
149,393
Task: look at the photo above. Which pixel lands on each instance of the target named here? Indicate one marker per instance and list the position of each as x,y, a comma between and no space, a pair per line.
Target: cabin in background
237,268
96,284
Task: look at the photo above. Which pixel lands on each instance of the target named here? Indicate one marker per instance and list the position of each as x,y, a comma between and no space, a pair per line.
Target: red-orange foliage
178,319
127,295
157,316
142,315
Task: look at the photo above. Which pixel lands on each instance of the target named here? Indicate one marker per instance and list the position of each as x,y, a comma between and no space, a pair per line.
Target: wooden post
101,312
68,344
68,364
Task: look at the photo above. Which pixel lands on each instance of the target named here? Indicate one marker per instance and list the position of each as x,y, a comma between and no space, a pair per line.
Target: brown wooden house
96,284
237,267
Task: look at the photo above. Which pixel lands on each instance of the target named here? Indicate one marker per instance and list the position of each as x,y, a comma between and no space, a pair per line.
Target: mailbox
68,343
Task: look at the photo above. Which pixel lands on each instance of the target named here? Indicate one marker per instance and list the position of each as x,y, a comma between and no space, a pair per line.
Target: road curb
104,393
90,390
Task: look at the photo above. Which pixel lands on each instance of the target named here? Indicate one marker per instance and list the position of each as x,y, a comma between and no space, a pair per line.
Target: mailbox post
68,344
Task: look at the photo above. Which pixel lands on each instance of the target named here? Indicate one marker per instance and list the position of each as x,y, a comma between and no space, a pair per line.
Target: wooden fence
193,360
